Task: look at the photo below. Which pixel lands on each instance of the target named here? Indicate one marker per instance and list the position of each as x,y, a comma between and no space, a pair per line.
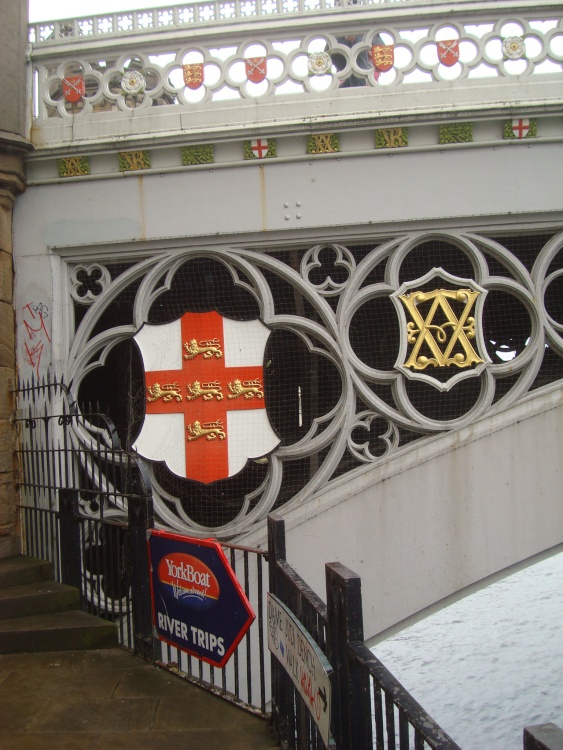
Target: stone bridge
380,184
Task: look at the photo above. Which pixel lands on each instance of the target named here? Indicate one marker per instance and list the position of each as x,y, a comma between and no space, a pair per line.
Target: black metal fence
86,506
370,708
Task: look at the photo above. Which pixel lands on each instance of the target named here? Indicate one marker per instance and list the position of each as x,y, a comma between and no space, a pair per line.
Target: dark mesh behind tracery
302,386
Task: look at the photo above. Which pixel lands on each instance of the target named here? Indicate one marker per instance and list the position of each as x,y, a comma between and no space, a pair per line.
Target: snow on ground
490,664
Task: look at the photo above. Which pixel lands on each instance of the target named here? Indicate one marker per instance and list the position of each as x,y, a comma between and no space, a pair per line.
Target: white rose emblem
319,63
133,82
513,47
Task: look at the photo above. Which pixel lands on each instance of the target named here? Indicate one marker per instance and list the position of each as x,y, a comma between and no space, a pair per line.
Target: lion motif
210,430
207,390
166,392
246,388
207,348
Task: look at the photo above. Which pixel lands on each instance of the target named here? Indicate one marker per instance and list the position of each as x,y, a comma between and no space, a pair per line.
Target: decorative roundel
133,82
319,63
513,47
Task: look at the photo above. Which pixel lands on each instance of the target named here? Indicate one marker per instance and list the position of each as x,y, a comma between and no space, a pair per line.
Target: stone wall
13,145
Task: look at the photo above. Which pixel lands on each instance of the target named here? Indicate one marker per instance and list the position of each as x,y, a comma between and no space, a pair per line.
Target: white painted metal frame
336,431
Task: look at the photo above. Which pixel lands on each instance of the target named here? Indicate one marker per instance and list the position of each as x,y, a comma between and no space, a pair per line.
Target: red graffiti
34,315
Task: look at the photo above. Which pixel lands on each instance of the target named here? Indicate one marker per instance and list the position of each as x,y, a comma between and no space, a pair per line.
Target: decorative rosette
133,82
513,47
319,63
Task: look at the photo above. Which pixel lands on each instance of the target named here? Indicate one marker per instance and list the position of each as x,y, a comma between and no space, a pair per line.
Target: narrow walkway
93,700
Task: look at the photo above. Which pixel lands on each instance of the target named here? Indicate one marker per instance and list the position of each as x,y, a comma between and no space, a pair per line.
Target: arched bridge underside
379,253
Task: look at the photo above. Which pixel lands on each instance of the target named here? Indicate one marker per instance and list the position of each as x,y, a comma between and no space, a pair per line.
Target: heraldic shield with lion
204,392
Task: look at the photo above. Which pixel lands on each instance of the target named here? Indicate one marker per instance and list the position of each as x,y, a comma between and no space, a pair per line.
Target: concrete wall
441,517
431,521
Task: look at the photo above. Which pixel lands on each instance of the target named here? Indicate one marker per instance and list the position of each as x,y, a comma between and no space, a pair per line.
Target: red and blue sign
198,604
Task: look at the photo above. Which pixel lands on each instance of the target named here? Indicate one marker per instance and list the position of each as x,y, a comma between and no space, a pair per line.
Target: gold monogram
327,143
130,161
393,137
207,390
210,430
207,348
165,392
422,330
246,388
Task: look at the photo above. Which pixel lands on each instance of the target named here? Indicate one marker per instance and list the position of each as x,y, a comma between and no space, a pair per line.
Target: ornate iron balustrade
376,347
143,78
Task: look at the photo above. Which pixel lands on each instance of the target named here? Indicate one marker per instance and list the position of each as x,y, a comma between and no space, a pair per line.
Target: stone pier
13,146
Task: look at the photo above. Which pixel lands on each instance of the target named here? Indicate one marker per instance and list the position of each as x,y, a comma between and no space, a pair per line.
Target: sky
49,10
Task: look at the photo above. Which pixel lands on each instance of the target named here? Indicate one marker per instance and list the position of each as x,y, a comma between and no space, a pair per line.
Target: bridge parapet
224,69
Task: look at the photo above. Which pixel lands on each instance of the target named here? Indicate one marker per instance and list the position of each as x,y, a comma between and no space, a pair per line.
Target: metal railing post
70,552
351,718
140,517
543,737
283,715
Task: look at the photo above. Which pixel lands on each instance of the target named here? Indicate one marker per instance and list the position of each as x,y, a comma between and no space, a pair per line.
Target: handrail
104,26
432,733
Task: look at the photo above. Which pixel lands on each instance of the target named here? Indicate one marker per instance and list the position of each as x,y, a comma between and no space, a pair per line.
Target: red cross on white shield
521,127
259,148
205,401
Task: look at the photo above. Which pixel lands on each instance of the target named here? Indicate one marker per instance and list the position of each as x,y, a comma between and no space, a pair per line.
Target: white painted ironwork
364,428
110,25
508,56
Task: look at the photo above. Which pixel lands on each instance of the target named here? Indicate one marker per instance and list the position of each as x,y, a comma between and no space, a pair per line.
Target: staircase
38,614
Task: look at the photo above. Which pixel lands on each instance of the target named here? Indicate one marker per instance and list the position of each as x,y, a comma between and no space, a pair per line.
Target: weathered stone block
7,383
7,340
7,445
6,277
6,206
8,502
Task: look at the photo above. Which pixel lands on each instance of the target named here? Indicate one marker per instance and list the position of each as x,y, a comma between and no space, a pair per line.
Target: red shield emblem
73,88
255,68
205,401
448,52
383,56
193,75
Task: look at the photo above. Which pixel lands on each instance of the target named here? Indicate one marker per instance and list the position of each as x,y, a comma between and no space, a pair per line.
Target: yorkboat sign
204,392
198,604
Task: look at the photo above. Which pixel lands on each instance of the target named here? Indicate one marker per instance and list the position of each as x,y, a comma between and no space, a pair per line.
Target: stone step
60,631
39,597
20,569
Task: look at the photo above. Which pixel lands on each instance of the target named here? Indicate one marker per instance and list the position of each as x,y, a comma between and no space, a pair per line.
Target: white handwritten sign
303,661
